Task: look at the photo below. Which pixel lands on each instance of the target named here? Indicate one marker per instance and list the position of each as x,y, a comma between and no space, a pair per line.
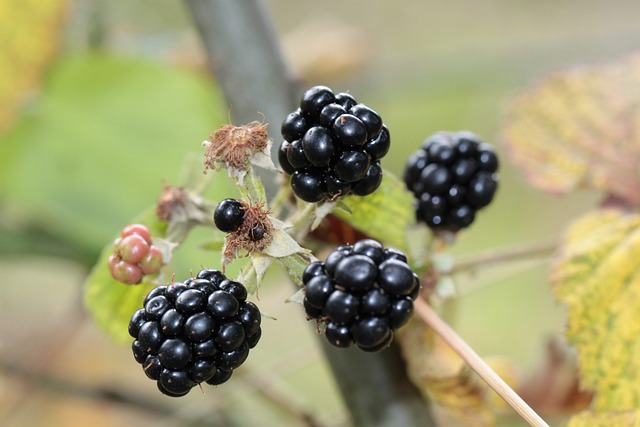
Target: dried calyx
234,146
254,234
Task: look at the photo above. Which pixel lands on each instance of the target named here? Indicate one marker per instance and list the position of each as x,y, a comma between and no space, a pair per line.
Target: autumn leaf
438,371
605,419
597,277
580,129
29,32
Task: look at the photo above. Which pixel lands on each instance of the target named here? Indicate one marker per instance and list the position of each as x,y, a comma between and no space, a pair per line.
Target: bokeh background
102,103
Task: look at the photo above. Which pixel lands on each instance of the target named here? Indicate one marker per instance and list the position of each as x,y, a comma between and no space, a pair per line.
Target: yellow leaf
580,129
597,277
447,380
605,419
29,32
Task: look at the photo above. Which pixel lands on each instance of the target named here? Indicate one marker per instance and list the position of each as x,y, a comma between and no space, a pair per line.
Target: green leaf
110,302
261,264
297,298
283,245
106,136
597,277
384,215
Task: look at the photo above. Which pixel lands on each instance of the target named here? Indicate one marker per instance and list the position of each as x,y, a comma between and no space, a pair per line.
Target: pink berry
139,229
113,259
133,248
129,274
152,262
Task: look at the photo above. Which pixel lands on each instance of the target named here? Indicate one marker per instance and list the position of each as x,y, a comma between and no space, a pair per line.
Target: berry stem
500,256
431,318
280,200
302,221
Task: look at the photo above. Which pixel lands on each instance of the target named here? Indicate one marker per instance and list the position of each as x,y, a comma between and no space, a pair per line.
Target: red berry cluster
134,255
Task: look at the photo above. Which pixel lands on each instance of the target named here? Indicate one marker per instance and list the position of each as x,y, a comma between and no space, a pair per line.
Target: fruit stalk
430,317
500,256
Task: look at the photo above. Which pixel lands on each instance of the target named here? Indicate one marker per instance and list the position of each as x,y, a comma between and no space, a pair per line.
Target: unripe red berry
129,274
113,259
133,248
138,229
152,262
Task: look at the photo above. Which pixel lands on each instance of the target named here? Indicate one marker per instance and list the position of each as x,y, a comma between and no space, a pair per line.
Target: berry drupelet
362,292
194,331
228,215
332,146
453,175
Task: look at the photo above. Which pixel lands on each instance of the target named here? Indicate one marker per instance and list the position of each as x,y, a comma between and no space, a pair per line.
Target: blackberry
452,176
362,293
332,146
194,332
228,215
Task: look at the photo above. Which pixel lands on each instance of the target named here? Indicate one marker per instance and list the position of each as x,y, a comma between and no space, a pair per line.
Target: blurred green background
127,98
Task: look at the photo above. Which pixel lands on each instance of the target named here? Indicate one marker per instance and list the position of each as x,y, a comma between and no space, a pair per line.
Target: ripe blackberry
362,293
332,146
452,176
194,332
228,215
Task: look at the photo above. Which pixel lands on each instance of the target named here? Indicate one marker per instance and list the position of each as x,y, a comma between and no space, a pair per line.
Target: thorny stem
302,221
431,318
503,255
280,200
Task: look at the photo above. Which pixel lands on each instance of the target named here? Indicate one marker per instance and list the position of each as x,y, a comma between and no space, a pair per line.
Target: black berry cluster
332,146
453,175
194,331
362,292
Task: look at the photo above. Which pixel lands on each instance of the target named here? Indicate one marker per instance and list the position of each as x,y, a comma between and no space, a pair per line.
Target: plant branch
243,53
246,59
430,317
499,256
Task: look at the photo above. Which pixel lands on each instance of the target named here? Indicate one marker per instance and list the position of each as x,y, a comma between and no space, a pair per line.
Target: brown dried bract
170,198
254,235
235,145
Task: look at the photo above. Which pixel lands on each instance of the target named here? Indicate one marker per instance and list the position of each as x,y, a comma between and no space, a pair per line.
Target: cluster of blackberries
363,292
453,175
134,255
194,331
332,146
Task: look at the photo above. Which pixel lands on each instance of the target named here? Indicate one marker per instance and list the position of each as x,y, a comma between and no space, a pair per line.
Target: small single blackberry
228,215
453,175
362,293
195,331
332,146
